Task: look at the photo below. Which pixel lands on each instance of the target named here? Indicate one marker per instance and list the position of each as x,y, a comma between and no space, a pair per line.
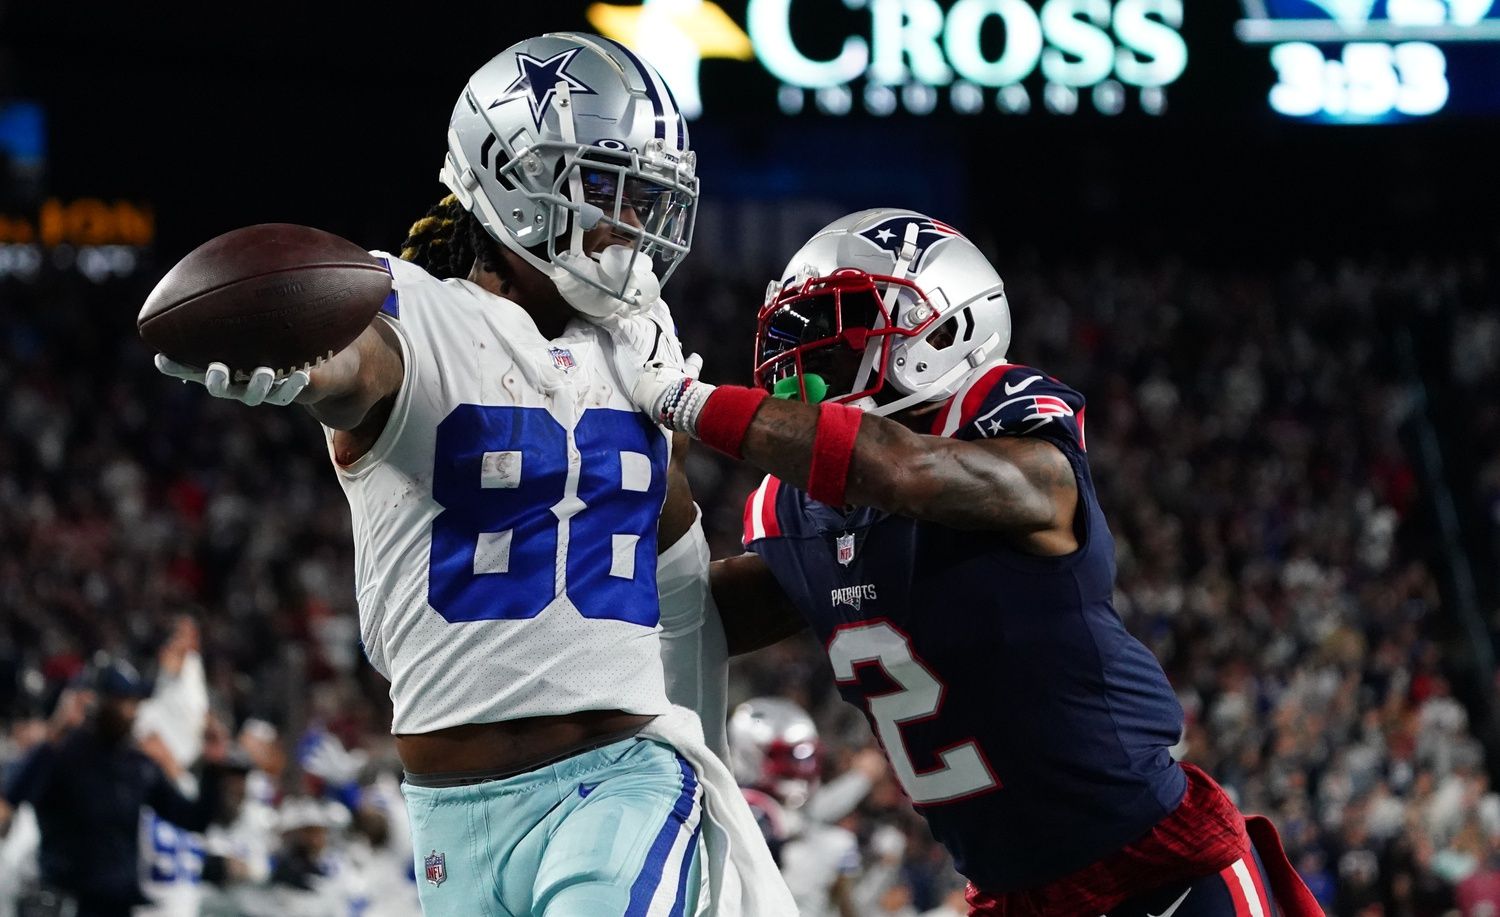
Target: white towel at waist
743,879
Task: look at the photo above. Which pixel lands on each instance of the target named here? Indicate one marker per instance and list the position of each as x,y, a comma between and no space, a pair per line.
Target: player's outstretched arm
341,392
1015,485
755,610
1021,487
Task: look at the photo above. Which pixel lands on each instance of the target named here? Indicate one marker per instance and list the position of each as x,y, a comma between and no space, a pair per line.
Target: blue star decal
537,82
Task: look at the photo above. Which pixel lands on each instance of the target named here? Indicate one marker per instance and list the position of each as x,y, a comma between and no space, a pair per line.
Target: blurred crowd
1244,435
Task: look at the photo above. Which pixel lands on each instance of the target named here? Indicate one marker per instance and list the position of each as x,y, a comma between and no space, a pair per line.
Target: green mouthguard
790,389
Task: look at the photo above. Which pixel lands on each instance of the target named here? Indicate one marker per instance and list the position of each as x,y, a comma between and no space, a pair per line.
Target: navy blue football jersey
1023,720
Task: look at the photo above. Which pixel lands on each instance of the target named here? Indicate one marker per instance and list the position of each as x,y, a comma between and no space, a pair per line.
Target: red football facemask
811,340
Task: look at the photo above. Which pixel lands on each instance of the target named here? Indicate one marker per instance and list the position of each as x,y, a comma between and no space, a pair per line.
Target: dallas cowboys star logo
538,80
890,235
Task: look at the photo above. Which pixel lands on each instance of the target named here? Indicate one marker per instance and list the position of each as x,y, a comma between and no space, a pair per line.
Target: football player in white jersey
505,496
776,755
170,727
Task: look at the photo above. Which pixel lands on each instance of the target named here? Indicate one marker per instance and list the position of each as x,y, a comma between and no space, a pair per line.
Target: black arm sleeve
29,780
169,803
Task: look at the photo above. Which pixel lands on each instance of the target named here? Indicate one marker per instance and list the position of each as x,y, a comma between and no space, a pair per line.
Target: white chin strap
864,376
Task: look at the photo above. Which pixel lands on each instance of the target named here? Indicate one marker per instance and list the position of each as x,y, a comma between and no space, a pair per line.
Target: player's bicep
1017,486
755,610
1046,476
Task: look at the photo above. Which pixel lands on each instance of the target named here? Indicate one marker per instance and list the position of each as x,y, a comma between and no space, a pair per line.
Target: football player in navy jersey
930,514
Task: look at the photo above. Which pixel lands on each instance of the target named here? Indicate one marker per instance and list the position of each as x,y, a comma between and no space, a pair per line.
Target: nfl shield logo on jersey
437,868
562,359
846,549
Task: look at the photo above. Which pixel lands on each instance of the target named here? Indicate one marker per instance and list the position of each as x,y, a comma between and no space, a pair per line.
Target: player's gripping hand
262,386
336,375
670,393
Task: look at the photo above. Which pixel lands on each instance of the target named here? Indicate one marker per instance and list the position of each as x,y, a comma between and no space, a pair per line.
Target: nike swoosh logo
1012,389
1175,905
584,789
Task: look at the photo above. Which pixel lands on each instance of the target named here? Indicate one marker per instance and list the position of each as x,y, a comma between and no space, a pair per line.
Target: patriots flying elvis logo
890,235
538,79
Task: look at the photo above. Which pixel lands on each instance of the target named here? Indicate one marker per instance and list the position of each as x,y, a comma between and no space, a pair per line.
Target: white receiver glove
260,387
617,268
671,395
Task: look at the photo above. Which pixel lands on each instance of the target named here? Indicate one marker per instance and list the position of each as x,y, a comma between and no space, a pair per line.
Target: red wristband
726,416
833,450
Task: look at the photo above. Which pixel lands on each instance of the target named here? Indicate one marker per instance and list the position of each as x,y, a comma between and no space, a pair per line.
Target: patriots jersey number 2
963,771
531,512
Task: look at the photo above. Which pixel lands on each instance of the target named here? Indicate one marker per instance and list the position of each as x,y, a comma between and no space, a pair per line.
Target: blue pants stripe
650,877
682,875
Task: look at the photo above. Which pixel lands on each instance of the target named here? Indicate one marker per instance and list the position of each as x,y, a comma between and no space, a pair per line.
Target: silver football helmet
559,133
773,746
881,300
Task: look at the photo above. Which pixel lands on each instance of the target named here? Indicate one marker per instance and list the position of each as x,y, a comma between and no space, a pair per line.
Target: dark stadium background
1118,237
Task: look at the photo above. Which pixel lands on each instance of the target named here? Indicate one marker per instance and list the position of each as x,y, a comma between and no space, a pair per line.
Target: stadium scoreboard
1322,61
1371,61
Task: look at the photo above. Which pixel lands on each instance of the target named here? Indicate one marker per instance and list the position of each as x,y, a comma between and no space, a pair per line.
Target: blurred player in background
381,849
89,783
238,844
934,520
312,874
505,496
777,758
170,728
377,843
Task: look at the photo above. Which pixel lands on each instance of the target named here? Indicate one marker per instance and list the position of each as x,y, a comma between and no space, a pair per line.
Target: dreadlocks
447,240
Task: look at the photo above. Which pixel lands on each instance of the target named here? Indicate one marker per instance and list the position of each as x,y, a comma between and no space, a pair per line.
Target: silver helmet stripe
588,42
655,89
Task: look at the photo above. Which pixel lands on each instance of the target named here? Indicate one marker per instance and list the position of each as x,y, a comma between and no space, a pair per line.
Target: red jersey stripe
967,401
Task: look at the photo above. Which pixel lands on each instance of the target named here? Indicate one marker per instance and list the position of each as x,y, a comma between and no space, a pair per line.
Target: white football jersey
172,875
505,519
815,859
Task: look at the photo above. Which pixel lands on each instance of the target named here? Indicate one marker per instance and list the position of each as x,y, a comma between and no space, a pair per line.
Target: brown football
274,294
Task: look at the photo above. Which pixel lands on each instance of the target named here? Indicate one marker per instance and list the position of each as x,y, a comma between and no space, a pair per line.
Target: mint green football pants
612,831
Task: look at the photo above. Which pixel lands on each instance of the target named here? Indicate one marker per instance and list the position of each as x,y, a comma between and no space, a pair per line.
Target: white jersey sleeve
505,519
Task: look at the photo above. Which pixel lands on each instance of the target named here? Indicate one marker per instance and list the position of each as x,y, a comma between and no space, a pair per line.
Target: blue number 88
498,550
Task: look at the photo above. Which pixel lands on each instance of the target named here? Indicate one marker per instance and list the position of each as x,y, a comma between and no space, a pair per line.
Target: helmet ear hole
943,336
492,148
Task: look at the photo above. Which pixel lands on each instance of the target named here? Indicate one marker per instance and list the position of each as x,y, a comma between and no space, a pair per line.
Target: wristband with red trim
833,451
725,415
